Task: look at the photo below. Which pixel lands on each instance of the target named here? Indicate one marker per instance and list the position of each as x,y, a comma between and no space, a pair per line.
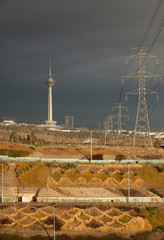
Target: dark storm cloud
88,41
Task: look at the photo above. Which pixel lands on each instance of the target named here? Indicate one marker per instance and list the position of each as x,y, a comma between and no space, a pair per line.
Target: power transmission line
143,39
151,22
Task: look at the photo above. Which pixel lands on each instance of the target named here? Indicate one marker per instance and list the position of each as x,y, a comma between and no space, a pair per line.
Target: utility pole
91,142
2,180
53,204
128,182
142,126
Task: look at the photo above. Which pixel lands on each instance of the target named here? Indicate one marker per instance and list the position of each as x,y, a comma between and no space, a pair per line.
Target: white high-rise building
50,82
69,121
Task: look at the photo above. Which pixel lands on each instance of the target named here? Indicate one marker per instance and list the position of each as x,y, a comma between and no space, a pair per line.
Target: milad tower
50,82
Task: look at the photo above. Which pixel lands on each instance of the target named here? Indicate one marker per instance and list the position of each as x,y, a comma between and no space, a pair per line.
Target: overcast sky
88,41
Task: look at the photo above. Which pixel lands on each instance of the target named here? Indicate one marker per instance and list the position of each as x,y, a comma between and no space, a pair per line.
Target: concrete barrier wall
37,159
7,199
98,200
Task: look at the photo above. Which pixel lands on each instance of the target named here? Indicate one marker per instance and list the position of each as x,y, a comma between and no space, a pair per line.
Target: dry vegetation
39,175
113,177
104,218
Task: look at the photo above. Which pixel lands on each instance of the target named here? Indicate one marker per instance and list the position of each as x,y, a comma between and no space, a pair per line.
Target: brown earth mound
94,224
93,211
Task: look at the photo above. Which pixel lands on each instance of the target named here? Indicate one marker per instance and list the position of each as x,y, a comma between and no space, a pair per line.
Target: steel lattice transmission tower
108,127
119,116
142,126
108,123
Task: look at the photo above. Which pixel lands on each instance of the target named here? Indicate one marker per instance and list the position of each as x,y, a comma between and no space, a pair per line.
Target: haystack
95,182
111,182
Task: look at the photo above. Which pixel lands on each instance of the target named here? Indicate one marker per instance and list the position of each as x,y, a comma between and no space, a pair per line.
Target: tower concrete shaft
50,82
50,113
142,126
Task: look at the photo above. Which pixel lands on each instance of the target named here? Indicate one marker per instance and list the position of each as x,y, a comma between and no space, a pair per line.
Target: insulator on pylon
157,97
161,81
157,62
123,81
126,97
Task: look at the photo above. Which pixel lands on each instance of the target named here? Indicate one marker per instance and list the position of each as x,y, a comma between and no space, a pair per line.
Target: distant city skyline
88,42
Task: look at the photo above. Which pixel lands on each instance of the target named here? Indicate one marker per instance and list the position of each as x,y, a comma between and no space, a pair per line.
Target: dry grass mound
51,182
47,209
81,182
87,174
139,183
18,216
111,182
124,183
116,224
125,219
65,182
105,219
137,224
96,182
28,209
73,211
72,174
37,176
4,220
74,223
155,219
117,175
102,174
26,221
94,224
146,174
57,174
113,212
83,216
93,211
7,210
131,176
65,216
39,214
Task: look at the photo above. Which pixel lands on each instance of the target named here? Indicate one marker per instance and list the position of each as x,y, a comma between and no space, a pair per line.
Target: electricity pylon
142,126
108,123
120,122
119,116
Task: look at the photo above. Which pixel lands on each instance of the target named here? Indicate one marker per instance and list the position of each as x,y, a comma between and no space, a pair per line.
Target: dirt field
80,180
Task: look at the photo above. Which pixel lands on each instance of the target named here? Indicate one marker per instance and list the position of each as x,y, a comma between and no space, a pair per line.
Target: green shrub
161,227
125,219
67,166
152,209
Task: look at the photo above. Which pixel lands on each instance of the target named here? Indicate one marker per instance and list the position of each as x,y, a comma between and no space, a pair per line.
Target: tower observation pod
50,82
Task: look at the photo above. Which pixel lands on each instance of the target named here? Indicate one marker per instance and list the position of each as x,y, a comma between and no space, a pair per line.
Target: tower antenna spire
50,67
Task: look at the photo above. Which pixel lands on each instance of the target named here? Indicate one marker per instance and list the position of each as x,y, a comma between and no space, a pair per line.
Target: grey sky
88,41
